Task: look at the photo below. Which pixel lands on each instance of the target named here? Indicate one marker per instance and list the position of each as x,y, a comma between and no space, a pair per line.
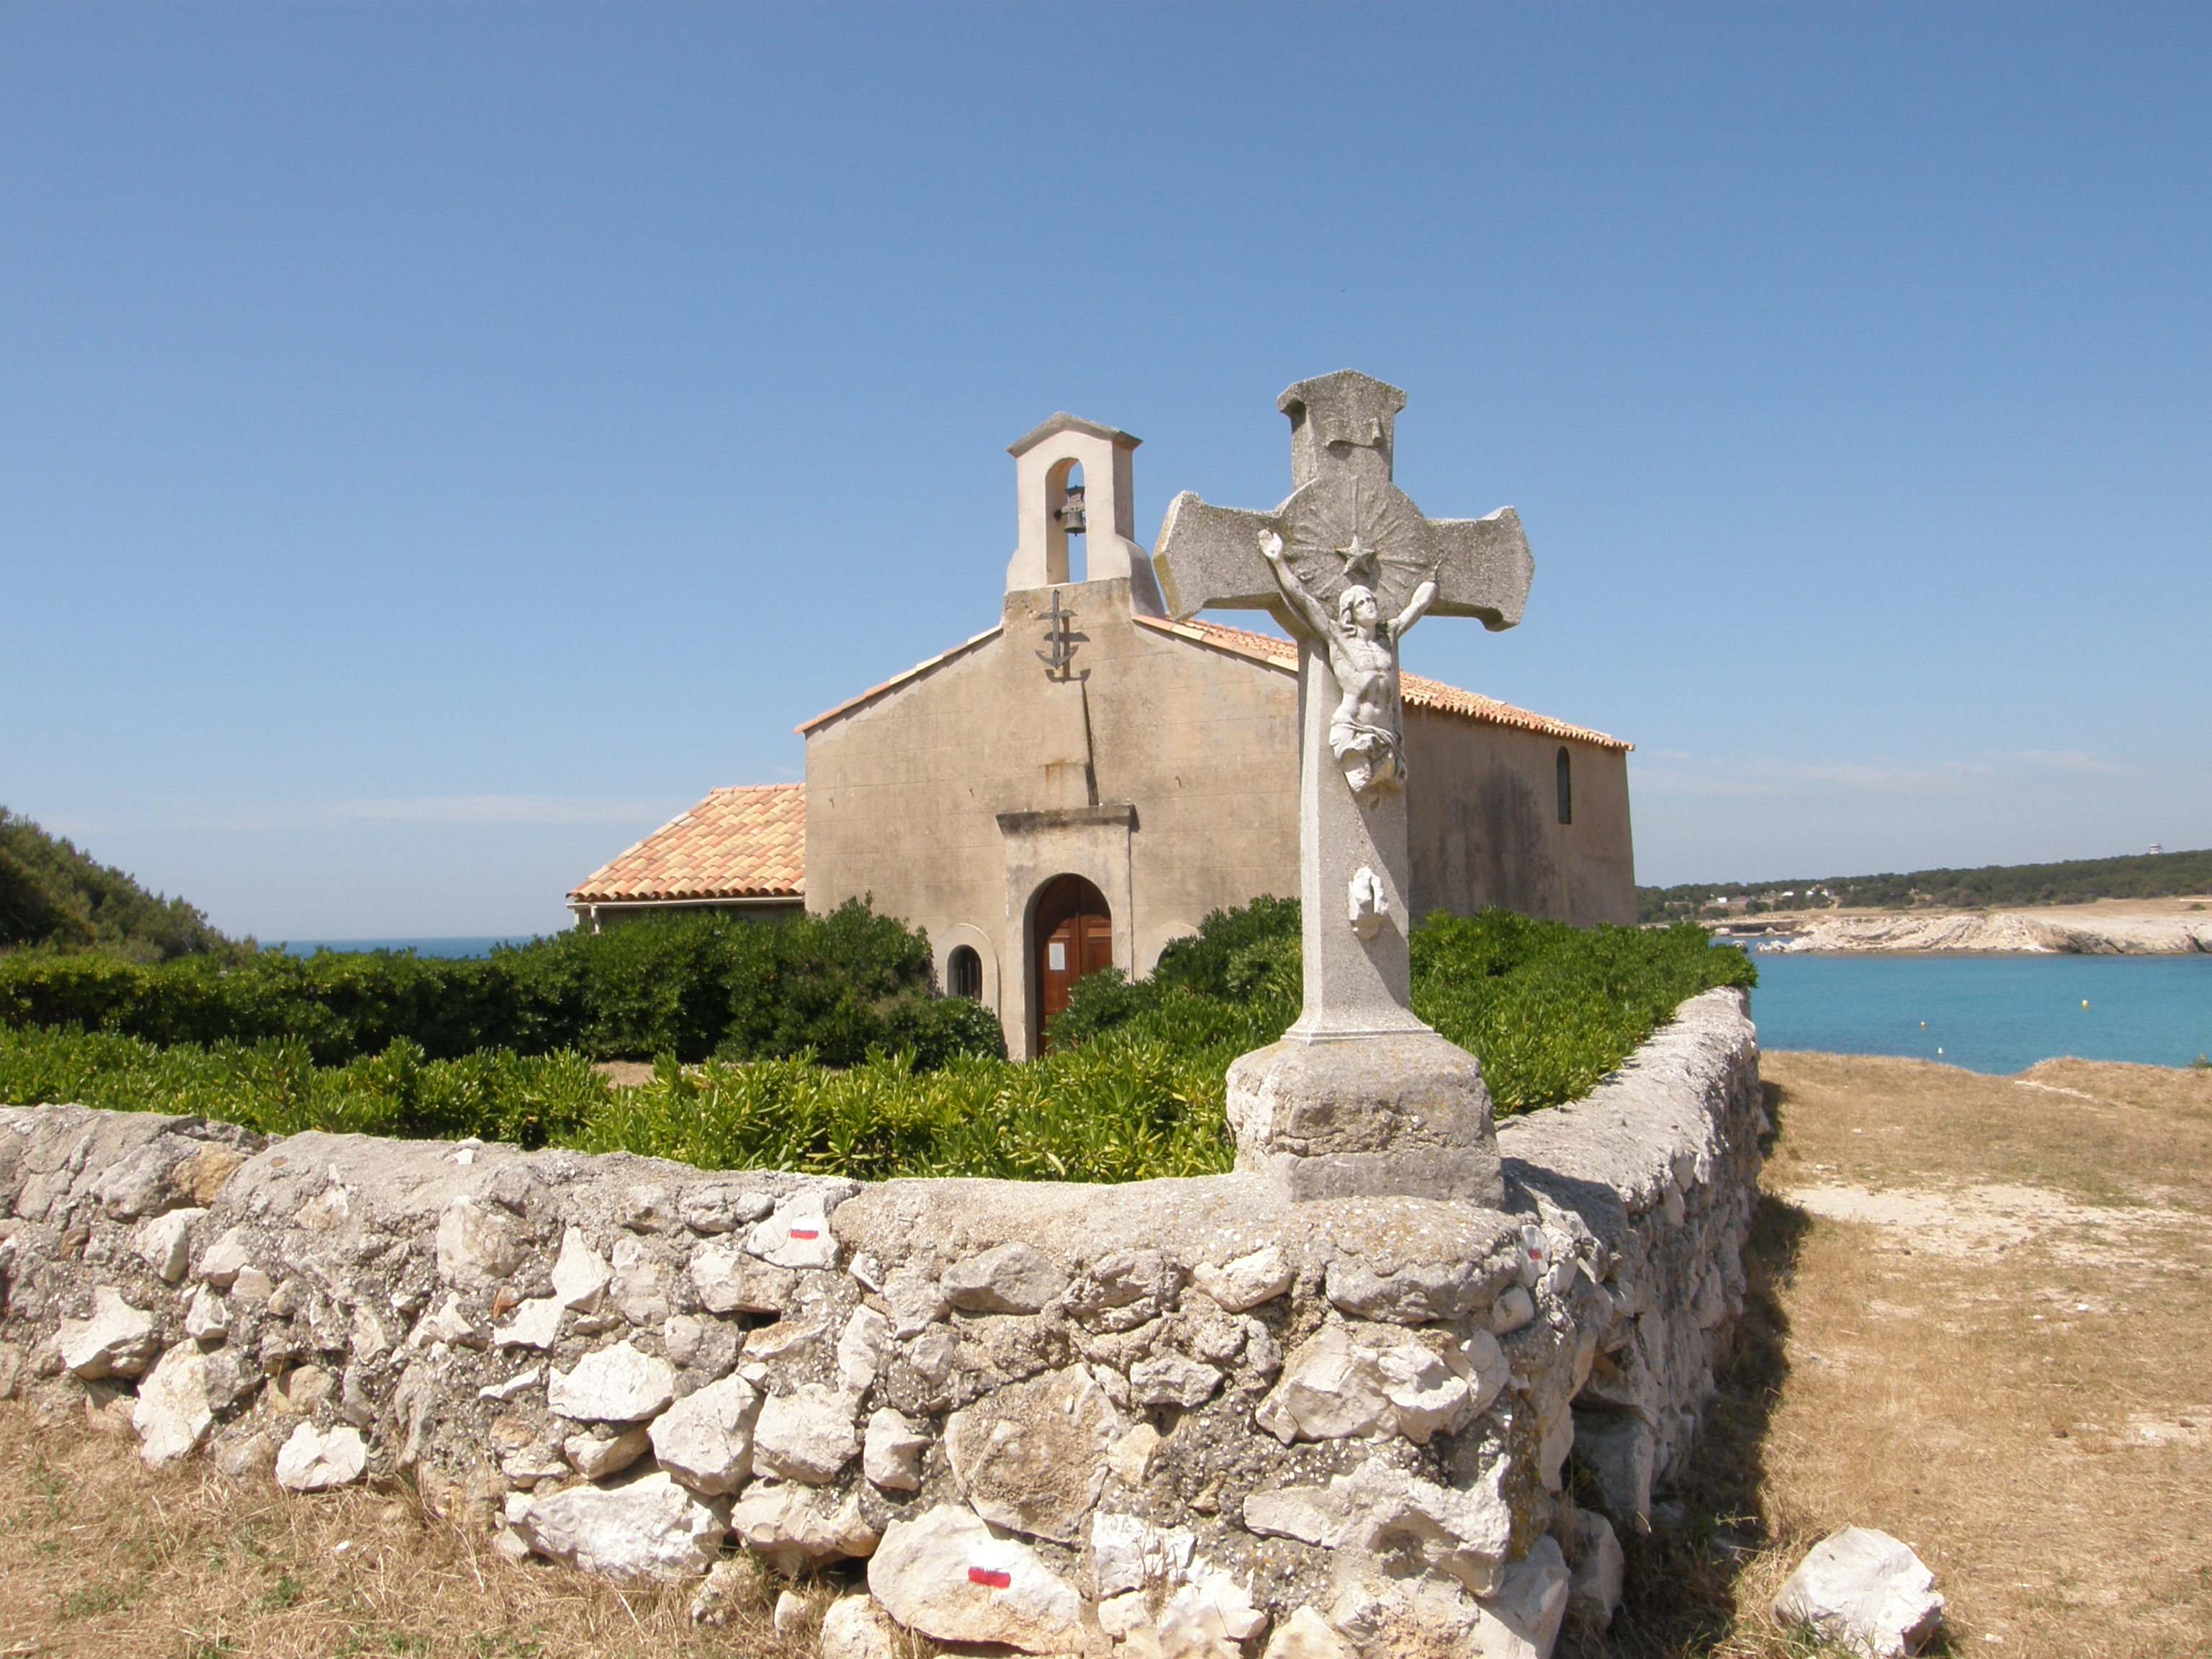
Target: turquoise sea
1988,1013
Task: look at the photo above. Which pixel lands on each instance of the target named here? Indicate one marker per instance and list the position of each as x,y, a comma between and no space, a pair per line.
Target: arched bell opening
1066,516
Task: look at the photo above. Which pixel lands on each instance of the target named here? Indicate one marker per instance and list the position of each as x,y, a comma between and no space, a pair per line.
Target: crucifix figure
1359,1096
1367,732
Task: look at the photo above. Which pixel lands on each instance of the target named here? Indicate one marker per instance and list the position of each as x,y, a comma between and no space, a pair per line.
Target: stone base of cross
1360,1098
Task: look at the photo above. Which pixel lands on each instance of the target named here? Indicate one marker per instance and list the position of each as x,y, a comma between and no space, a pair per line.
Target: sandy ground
1982,1322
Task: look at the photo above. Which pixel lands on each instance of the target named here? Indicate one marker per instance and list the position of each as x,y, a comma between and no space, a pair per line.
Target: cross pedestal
1359,1097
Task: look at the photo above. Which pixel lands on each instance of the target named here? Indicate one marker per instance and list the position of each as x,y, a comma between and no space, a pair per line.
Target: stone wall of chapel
903,799
903,796
1483,823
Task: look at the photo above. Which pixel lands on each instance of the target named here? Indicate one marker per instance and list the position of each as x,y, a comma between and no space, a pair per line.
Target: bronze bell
1070,512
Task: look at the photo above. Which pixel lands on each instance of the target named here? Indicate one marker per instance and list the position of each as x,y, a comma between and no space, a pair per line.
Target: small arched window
964,973
1564,771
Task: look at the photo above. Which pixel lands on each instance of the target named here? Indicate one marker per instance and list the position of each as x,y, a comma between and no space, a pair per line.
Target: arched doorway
1071,935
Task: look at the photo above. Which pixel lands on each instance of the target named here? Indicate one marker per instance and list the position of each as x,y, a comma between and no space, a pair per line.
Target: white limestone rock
1520,1620
892,1452
1461,1532
1514,1308
1248,1281
1032,1457
614,1385
173,1414
864,1349
476,1246
857,1627
118,1340
799,1527
706,1439
728,1280
797,1234
1306,1635
806,1434
790,1614
947,1575
1350,1380
721,1206
535,1324
727,1586
1173,1379
1209,1617
580,1274
207,1316
917,1302
1865,1591
316,1460
1594,1591
1011,1278
450,1325
645,1528
641,1283
1130,1458
1127,1552
596,1456
165,1242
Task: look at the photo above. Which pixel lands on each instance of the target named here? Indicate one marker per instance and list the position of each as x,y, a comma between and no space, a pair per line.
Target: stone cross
1347,563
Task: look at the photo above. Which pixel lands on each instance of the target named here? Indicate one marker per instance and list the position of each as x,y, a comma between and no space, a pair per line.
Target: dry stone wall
1173,1417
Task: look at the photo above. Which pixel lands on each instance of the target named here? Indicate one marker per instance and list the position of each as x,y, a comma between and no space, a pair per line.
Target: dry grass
2009,1371
100,1557
2007,1368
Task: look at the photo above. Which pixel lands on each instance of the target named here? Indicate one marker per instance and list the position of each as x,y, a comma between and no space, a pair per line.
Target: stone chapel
1084,781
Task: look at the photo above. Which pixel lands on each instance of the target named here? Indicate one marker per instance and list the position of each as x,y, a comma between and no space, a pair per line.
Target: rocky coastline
2070,930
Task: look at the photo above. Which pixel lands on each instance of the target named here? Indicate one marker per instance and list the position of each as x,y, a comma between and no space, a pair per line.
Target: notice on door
1056,956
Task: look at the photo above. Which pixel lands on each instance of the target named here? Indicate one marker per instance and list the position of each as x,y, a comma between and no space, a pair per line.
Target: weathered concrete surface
1172,1414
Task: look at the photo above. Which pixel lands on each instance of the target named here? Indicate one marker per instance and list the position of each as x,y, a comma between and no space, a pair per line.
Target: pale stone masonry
1186,1418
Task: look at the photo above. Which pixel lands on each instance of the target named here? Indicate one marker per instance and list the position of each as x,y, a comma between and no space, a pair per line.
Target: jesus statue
1367,732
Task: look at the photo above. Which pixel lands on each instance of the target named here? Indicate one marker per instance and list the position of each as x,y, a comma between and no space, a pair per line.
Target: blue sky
439,443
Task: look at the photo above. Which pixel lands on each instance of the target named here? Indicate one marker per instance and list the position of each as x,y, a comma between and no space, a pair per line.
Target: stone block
1864,1591
1403,1112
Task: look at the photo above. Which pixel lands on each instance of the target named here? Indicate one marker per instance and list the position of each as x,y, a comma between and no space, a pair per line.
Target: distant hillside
54,896
2077,881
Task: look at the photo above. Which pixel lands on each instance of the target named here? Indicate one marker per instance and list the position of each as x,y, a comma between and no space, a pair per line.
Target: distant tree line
56,899
2076,881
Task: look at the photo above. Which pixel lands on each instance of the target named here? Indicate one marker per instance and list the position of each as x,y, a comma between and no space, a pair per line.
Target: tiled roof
738,843
1418,690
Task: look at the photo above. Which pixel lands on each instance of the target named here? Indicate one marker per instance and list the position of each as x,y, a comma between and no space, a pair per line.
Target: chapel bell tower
1052,503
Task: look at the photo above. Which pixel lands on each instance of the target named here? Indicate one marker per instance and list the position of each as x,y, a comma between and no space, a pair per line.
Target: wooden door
1074,936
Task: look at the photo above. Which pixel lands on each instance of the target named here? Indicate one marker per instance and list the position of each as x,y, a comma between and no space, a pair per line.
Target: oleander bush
1132,1089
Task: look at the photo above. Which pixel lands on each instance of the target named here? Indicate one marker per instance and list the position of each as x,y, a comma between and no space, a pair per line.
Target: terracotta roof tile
747,843
1419,691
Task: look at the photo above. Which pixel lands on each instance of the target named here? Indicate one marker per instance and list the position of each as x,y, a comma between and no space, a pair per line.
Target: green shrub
276,1088
1549,1008
1123,1113
838,985
1132,1089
